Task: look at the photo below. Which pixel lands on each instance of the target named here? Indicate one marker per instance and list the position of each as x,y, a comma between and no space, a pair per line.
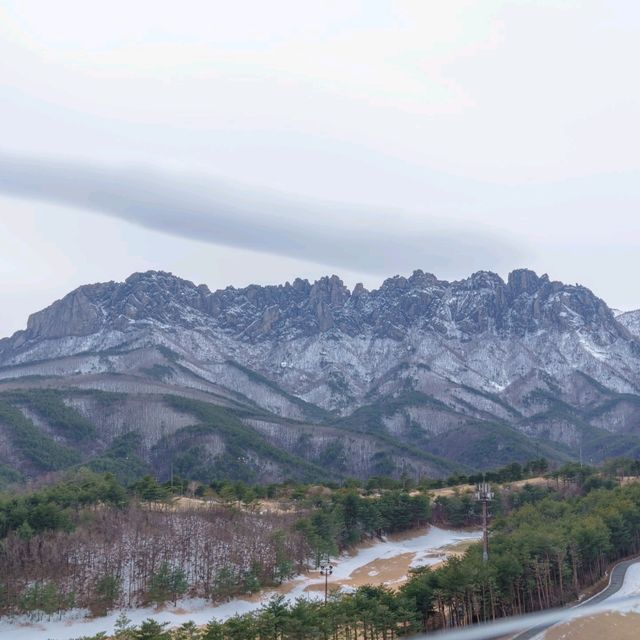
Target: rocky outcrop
482,303
332,347
432,364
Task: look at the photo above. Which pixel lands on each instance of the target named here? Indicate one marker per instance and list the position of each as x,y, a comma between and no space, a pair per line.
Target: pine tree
167,584
151,630
225,583
25,531
188,631
251,582
283,568
123,630
107,590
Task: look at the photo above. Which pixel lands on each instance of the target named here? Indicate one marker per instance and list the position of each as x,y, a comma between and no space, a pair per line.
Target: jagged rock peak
330,289
525,281
482,302
480,281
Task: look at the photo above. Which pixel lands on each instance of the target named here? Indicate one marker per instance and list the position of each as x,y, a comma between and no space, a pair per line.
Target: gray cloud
225,213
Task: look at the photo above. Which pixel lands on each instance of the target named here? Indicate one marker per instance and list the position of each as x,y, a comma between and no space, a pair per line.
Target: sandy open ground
469,488
388,563
621,622
612,625
184,503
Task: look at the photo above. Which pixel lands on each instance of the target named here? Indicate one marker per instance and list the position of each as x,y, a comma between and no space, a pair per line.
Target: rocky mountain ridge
453,370
483,302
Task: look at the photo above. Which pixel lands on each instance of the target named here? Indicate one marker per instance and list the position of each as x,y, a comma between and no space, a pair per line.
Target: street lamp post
326,569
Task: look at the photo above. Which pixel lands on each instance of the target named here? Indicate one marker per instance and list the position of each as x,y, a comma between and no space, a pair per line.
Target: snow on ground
631,584
428,549
423,546
590,627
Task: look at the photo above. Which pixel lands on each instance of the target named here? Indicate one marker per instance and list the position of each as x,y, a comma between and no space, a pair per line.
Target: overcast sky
239,142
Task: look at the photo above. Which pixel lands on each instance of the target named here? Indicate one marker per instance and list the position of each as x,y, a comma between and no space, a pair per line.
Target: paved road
615,582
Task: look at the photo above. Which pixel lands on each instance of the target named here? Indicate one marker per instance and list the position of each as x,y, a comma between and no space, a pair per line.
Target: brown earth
470,488
391,572
275,506
611,625
388,571
184,503
458,548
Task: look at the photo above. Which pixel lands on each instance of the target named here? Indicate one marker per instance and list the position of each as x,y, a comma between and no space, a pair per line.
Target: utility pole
326,569
485,496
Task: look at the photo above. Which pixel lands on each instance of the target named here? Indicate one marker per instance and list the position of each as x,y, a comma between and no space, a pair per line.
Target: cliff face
483,303
435,364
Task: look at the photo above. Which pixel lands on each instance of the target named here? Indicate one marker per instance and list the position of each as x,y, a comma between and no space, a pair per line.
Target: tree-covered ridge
57,506
41,451
49,405
129,434
393,509
51,429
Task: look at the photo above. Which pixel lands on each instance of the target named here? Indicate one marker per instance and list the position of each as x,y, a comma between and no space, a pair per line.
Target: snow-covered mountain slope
631,321
457,370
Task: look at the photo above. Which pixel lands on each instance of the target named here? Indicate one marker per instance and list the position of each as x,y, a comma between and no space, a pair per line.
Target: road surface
616,581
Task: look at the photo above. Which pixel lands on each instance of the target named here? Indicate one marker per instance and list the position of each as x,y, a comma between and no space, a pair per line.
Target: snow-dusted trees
118,557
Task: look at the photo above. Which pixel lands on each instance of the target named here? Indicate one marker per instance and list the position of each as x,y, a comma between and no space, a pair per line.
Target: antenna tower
485,496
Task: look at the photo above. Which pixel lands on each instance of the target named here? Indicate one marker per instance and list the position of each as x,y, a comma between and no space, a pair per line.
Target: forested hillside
154,431
89,542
